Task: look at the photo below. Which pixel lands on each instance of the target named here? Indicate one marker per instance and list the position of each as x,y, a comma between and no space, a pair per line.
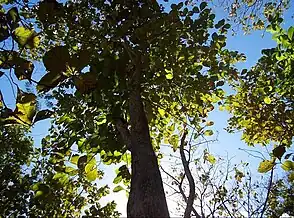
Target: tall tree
122,73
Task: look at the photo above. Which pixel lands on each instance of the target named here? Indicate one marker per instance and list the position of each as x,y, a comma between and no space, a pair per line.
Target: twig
268,192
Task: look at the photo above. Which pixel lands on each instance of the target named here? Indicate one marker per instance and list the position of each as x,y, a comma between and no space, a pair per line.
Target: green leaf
161,112
169,76
71,171
291,32
117,179
208,132
288,165
43,114
203,5
74,159
25,107
38,194
56,60
265,166
118,188
211,159
26,37
267,100
220,23
92,175
61,178
279,151
174,141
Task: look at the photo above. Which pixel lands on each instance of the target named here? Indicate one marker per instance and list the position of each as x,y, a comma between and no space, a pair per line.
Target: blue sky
251,45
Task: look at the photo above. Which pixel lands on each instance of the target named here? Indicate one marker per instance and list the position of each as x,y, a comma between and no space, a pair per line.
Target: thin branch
190,201
268,192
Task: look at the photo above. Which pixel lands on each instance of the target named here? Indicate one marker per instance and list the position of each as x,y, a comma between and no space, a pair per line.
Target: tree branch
268,192
190,200
124,132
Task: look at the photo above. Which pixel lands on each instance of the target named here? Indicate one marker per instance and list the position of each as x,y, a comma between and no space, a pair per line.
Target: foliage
30,187
15,152
281,198
263,105
112,65
252,14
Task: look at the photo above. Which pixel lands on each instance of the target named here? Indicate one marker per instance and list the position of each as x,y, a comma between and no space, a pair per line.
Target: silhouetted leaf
43,114
279,151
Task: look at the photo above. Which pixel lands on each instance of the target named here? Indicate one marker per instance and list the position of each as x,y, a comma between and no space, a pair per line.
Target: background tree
218,187
263,105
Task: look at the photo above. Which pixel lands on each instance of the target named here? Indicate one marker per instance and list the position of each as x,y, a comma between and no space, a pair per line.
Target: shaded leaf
82,162
43,114
86,82
56,60
287,156
279,151
23,68
49,81
203,5
4,33
13,16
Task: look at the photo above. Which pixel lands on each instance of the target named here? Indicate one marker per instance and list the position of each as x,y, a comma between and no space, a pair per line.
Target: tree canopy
120,77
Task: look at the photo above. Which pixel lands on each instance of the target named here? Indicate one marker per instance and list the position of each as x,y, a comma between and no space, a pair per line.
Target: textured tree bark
147,197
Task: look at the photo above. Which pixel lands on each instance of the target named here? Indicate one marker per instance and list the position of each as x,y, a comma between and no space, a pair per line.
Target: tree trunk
147,197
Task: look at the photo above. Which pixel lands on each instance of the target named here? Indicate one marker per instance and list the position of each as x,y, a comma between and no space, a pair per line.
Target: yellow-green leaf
92,175
161,112
288,165
71,171
25,107
74,159
118,188
169,76
265,166
208,132
26,37
267,100
211,159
